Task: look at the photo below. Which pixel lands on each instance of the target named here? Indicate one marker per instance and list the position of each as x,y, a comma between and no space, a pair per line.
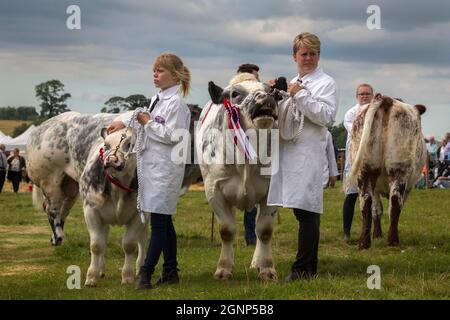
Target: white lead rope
138,148
287,119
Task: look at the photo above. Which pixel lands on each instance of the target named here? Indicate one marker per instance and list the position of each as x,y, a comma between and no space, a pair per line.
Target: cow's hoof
128,280
268,274
90,283
377,235
222,274
394,242
363,245
102,275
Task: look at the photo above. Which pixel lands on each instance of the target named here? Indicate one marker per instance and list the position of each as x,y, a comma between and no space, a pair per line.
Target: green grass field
30,268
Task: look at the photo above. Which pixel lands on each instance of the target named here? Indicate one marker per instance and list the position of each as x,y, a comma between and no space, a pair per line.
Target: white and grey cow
232,185
106,203
57,154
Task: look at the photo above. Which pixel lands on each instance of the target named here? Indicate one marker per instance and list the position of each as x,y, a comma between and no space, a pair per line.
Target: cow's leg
55,199
61,192
227,228
262,256
366,184
142,247
133,234
98,233
377,212
396,200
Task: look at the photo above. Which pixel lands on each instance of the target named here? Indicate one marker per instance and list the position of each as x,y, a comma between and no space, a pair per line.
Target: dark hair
247,67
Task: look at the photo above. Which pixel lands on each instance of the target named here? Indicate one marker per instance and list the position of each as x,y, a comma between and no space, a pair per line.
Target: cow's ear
215,92
421,108
104,133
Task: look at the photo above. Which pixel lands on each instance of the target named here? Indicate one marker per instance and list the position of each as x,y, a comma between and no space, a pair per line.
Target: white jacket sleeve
332,165
348,120
320,108
177,118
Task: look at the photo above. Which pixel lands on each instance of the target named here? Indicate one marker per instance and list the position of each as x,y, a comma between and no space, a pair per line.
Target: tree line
52,97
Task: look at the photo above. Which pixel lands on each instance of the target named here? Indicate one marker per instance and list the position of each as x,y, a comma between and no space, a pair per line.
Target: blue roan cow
57,153
64,160
229,186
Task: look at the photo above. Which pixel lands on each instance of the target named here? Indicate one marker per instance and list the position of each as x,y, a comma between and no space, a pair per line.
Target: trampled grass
30,268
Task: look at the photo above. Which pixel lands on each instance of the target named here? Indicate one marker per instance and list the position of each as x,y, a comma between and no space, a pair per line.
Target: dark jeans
348,211
308,242
163,239
250,224
15,177
2,178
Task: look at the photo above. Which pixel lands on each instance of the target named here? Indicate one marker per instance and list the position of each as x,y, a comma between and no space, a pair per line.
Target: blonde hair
364,85
308,40
176,67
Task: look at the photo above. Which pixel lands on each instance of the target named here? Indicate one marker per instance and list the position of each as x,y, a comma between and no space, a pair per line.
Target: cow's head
256,101
117,158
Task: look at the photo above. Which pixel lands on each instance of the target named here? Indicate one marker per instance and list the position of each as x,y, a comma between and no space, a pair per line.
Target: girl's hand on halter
115,126
143,117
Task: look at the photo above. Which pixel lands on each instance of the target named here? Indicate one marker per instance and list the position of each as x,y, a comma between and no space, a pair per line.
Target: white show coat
348,124
298,181
330,168
162,178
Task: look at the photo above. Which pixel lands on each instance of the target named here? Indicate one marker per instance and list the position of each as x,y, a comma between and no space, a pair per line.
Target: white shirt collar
169,92
310,76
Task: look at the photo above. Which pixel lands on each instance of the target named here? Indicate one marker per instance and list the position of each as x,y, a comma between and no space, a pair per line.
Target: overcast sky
112,54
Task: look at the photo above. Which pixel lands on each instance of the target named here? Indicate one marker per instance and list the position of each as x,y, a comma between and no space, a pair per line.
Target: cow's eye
126,146
235,94
107,146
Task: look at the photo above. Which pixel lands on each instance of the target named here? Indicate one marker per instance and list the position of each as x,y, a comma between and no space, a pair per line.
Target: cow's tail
38,198
364,142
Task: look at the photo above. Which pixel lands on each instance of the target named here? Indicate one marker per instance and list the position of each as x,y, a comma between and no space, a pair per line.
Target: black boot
144,280
169,277
300,275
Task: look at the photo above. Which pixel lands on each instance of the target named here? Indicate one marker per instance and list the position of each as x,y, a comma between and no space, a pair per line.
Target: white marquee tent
20,141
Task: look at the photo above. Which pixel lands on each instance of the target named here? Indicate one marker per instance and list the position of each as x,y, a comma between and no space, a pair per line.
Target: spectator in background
3,166
16,169
443,181
249,68
432,148
330,171
364,94
441,149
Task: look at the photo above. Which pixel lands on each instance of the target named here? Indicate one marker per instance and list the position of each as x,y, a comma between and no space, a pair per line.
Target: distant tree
136,101
114,105
53,98
339,135
118,104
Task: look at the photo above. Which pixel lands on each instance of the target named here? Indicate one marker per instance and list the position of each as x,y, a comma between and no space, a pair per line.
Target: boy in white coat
298,182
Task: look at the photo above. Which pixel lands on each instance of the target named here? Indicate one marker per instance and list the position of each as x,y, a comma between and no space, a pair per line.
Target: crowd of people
438,168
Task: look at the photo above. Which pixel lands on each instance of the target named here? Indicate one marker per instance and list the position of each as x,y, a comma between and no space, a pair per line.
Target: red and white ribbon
239,137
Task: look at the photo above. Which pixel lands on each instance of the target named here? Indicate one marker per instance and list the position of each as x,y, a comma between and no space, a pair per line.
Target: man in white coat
364,94
298,182
330,170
